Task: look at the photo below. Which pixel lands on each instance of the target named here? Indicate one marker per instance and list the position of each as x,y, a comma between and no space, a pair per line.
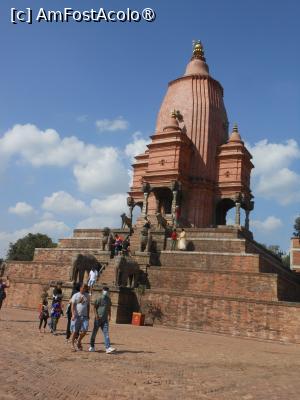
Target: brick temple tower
192,165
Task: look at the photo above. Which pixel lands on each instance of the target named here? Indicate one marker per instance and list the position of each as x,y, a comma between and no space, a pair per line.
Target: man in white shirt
93,275
80,306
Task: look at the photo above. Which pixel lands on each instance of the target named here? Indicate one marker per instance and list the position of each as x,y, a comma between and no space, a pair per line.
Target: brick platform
227,284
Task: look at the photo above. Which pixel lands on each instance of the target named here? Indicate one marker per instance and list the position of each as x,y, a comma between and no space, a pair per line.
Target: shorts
80,324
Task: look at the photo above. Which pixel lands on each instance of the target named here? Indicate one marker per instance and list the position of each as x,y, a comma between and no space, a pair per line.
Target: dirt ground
151,363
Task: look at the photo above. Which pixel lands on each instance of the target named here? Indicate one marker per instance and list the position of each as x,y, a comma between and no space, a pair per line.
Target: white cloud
106,211
138,146
52,228
63,203
21,209
272,177
38,147
111,205
283,186
46,215
98,170
112,125
103,175
269,156
270,224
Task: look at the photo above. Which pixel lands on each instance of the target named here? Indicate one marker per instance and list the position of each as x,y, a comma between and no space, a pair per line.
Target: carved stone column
174,201
145,204
237,213
146,191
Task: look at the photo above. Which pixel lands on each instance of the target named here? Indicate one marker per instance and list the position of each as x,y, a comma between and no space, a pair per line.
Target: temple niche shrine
195,170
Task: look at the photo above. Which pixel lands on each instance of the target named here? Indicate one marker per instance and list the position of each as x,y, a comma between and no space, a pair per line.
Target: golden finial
235,128
198,51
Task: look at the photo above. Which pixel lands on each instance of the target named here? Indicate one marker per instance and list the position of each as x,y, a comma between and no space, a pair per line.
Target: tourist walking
3,286
44,315
80,308
182,240
56,312
57,292
102,309
76,287
173,239
93,275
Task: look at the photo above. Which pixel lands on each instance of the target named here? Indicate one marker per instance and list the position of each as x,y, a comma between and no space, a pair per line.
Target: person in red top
173,239
118,244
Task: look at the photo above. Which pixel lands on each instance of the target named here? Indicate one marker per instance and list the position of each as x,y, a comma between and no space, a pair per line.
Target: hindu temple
192,164
194,170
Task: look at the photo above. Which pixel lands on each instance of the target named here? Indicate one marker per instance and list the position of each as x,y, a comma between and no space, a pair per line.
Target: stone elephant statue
82,264
126,272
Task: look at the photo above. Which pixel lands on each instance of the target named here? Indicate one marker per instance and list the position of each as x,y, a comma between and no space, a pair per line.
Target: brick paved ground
152,363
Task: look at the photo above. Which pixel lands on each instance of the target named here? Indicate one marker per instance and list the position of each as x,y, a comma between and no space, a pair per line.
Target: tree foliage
297,227
286,260
23,249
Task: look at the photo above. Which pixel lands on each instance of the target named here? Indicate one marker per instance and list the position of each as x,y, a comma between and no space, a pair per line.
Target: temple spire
197,64
235,135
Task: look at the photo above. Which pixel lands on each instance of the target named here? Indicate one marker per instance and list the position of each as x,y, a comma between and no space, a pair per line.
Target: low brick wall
24,294
81,243
254,319
233,284
230,245
211,261
45,271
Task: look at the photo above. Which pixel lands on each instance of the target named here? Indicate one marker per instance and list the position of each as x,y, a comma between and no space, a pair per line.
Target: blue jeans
53,323
104,326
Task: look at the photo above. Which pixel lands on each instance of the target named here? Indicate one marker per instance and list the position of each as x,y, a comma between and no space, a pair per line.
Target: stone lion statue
107,239
145,239
161,221
126,221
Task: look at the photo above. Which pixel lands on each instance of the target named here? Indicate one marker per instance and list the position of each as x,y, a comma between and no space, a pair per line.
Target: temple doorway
136,211
164,197
222,209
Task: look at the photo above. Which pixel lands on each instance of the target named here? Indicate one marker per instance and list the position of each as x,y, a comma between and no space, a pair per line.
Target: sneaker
110,350
91,349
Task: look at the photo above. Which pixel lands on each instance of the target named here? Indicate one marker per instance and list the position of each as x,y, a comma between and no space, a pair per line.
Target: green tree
23,249
297,227
286,260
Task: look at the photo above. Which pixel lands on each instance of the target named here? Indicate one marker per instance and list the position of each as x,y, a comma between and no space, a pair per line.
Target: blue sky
78,100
